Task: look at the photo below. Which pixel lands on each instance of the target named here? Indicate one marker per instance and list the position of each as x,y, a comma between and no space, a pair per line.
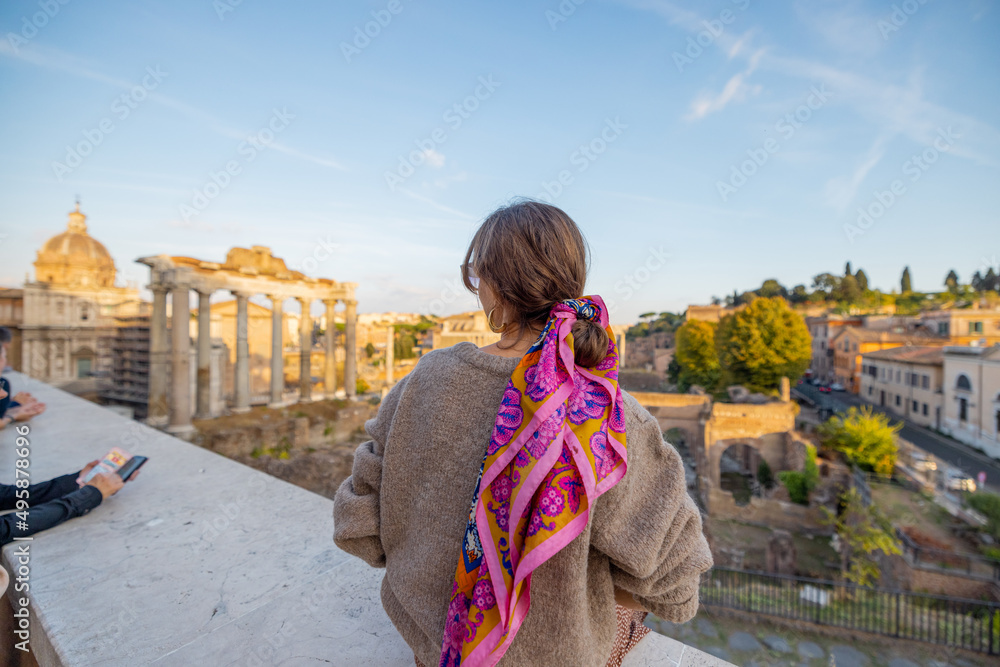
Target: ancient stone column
277,351
390,354
621,350
242,384
350,347
330,376
203,391
180,335
305,352
159,358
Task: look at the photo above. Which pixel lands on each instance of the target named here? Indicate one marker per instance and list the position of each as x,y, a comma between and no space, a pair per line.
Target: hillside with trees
851,291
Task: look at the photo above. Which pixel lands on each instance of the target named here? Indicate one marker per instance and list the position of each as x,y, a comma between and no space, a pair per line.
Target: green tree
799,294
862,279
977,281
849,291
865,437
826,282
764,475
772,288
696,357
801,483
863,533
951,282
847,270
991,282
369,350
905,284
403,345
762,343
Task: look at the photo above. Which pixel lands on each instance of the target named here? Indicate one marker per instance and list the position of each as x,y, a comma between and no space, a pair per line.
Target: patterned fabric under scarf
557,445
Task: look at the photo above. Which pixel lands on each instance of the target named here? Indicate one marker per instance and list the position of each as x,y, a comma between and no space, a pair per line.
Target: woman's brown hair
533,256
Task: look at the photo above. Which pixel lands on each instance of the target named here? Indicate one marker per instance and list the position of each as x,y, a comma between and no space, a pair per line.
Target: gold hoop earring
489,322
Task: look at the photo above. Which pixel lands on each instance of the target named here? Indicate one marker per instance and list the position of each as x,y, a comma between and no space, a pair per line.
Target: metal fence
936,619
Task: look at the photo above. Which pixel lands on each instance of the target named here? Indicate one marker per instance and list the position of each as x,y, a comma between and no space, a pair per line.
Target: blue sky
648,110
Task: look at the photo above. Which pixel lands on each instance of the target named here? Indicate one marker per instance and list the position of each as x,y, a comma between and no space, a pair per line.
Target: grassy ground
811,552
908,509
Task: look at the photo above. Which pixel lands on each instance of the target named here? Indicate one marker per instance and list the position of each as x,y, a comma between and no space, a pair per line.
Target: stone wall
199,561
768,513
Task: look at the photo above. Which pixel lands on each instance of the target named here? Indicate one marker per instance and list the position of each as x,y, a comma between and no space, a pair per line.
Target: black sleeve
39,493
50,514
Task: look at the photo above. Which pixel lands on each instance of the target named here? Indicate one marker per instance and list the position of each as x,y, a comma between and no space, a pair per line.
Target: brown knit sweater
406,505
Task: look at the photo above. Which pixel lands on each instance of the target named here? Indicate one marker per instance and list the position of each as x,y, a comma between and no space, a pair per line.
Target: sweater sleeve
356,505
650,528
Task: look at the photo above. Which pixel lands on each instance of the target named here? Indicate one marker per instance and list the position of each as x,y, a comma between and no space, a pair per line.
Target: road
955,453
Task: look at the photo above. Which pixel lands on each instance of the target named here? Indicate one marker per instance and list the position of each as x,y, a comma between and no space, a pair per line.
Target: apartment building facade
906,381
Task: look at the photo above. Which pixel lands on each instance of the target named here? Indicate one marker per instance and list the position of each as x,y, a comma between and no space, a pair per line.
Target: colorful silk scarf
558,443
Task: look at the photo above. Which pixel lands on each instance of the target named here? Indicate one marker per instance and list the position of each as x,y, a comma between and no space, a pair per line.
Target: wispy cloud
434,204
840,191
54,59
736,90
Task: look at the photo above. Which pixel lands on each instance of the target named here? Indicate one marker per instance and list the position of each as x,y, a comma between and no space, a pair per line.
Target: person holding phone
55,501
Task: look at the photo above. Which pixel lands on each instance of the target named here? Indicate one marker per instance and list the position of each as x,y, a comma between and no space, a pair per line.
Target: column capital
350,302
331,302
240,294
158,287
277,300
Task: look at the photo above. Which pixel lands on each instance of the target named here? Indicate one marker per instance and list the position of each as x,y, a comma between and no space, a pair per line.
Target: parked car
836,386
922,461
959,481
824,388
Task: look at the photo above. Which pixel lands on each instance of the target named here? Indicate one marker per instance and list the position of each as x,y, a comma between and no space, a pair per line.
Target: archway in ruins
739,467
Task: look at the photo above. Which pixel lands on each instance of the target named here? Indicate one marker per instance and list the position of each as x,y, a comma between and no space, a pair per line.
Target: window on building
84,312
898,376
898,401
925,409
963,383
926,384
916,406
975,328
942,328
83,367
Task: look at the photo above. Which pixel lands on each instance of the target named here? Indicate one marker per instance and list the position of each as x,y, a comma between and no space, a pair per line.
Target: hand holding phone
132,467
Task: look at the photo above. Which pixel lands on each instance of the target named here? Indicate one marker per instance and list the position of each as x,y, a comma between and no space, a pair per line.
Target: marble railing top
199,561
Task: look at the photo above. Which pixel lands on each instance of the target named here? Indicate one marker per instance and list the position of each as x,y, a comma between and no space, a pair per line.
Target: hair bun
590,342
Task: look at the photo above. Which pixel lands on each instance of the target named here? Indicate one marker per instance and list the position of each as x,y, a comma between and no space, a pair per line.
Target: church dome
74,257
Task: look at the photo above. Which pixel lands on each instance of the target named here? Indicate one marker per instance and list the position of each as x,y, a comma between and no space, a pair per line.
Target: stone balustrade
200,561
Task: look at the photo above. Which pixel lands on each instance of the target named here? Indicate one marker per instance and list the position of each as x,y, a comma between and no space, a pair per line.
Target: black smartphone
131,466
